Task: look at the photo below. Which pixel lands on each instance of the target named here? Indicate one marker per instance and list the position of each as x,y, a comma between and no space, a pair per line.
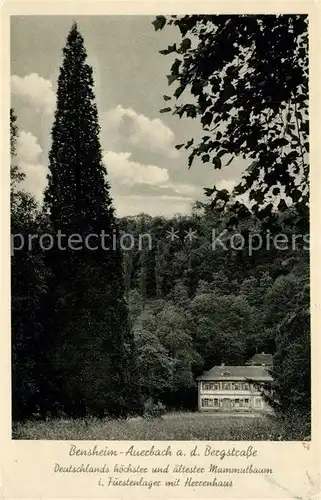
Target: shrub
154,410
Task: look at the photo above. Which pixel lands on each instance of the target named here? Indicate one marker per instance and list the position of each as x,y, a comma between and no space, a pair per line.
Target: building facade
233,389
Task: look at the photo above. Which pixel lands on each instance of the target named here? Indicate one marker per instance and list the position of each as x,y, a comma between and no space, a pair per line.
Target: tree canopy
246,78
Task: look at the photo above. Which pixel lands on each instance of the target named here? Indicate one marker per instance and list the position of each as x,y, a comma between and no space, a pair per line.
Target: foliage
235,305
154,365
292,367
246,78
16,174
90,347
27,292
154,410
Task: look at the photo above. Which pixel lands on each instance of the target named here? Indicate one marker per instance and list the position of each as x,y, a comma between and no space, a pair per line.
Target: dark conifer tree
91,357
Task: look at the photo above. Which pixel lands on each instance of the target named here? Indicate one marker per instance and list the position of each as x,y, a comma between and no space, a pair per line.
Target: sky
146,173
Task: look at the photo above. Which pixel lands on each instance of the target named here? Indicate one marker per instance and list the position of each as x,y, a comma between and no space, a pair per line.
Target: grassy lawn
180,426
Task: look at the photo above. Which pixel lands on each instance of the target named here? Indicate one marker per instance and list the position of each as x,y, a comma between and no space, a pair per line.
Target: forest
192,307
114,332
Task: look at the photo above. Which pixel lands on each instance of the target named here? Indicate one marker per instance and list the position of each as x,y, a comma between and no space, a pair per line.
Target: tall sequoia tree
91,357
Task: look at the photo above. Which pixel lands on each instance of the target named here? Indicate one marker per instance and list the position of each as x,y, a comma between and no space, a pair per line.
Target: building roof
261,359
259,373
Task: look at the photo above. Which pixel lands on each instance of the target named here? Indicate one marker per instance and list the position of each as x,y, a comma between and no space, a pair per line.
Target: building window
246,387
226,386
258,402
241,403
210,386
237,403
216,403
207,403
246,402
235,386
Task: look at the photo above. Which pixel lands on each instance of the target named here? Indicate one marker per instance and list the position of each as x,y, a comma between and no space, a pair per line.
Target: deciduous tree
246,78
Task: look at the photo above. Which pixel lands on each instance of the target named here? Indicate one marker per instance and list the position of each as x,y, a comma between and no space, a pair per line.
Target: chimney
263,353
222,364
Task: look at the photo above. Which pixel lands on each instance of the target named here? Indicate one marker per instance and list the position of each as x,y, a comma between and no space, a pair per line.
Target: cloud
36,179
182,189
123,170
28,149
138,188
35,91
28,152
166,206
229,185
126,125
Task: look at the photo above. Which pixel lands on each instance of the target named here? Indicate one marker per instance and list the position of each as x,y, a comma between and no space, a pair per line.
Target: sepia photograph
160,247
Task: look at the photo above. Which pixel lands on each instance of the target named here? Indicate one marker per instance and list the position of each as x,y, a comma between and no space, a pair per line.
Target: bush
296,426
154,410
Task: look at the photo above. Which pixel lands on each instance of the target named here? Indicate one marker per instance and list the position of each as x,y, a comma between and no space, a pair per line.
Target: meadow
177,426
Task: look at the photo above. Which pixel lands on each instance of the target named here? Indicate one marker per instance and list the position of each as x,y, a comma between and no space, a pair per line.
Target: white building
233,389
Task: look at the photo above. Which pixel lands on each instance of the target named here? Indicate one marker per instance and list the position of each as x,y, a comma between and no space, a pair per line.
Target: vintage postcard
160,216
